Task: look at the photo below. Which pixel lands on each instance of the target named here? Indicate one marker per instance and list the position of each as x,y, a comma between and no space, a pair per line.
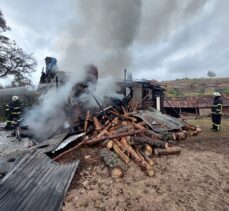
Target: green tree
211,74
13,60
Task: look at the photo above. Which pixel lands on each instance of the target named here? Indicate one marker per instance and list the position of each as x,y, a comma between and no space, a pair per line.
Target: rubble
127,136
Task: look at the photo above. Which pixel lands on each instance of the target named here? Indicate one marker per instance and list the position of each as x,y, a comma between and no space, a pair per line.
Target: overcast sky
159,40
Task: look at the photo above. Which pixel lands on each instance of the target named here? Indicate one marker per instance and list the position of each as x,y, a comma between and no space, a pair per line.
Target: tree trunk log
146,140
138,159
86,121
97,140
109,144
167,151
117,172
97,124
121,154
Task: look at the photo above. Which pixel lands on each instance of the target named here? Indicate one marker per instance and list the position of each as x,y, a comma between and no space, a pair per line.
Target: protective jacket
13,109
216,113
217,105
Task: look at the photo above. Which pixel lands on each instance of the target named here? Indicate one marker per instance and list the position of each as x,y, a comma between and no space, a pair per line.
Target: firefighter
13,110
216,111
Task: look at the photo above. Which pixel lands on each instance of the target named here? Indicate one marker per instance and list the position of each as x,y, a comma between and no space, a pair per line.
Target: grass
206,125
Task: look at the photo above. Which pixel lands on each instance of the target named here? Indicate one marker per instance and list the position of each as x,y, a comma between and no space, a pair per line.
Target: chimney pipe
125,73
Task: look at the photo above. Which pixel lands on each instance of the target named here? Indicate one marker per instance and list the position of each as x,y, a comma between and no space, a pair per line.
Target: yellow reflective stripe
217,105
217,125
15,112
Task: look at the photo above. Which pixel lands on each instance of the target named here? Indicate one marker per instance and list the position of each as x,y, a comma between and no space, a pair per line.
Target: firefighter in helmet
216,111
13,110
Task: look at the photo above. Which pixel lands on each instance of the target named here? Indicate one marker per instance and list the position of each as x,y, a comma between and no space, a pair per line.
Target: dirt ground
197,179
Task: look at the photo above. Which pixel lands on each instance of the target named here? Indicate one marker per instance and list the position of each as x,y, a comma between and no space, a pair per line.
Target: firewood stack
130,139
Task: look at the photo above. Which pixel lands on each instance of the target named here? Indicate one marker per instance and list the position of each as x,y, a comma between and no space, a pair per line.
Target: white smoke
103,34
49,116
105,87
106,32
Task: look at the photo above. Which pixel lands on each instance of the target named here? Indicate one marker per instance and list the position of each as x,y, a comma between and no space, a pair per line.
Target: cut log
117,172
147,158
149,149
198,129
137,158
124,110
121,154
152,134
86,121
123,129
109,144
189,127
181,135
113,162
167,151
97,140
104,131
146,140
139,154
139,126
121,147
192,133
115,121
128,148
97,124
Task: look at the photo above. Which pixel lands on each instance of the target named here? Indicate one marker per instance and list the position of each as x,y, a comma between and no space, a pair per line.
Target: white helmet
216,94
14,98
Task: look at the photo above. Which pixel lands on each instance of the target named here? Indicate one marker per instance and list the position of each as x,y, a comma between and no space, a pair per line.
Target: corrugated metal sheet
159,122
36,183
51,144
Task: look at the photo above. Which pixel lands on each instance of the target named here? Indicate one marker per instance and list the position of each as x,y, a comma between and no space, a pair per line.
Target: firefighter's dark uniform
13,110
216,113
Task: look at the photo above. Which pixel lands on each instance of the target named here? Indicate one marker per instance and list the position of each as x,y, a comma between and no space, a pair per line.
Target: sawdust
197,179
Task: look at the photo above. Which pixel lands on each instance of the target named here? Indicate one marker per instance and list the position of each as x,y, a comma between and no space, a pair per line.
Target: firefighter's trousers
216,121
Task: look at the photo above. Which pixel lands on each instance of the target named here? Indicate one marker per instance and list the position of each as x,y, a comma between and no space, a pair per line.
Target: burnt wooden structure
36,183
147,93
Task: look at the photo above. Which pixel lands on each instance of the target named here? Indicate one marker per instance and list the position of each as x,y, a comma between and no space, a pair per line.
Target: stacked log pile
123,138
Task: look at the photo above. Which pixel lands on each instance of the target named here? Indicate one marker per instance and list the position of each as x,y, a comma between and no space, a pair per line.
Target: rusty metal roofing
36,183
159,122
192,102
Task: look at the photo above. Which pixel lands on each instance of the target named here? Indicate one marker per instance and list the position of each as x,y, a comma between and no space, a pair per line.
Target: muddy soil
197,179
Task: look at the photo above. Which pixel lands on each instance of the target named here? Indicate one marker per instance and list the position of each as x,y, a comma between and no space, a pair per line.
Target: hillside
195,87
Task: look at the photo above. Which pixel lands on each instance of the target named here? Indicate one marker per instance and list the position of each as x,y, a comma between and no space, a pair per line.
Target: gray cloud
106,31
193,48
152,38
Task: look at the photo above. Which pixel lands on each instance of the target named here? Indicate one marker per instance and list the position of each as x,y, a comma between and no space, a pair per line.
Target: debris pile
124,135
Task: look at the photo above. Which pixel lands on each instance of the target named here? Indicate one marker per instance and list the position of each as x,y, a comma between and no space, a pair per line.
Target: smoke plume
50,115
107,32
104,35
